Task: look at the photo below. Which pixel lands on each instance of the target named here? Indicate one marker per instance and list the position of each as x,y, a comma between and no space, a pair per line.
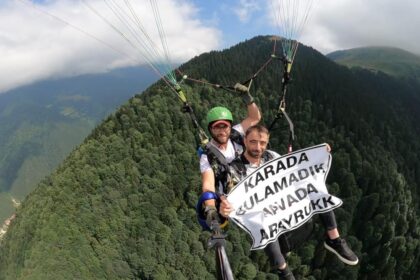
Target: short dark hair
259,128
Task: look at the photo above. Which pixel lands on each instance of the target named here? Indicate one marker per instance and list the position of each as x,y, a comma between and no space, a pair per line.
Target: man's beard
220,142
255,154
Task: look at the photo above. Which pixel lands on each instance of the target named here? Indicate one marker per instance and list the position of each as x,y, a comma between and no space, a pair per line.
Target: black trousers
273,249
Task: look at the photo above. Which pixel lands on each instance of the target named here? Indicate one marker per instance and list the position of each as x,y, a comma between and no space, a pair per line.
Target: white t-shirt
237,175
252,167
229,153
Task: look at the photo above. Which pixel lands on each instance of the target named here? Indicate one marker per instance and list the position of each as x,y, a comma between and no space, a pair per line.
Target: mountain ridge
41,123
390,60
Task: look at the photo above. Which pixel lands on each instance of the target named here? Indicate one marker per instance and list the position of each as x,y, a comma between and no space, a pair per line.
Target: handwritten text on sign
283,194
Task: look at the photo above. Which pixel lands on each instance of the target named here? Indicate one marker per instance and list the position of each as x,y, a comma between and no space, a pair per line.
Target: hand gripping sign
283,194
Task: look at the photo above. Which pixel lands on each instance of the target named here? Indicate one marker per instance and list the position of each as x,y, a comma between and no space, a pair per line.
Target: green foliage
121,206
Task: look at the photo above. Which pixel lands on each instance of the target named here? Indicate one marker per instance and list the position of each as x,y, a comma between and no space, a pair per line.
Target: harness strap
219,163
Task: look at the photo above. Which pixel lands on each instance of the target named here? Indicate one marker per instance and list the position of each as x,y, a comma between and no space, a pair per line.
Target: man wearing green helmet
226,144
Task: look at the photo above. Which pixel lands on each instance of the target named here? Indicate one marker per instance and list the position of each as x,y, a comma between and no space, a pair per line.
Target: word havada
297,217
278,186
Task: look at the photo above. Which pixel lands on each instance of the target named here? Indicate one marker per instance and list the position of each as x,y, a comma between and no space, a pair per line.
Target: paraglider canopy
291,17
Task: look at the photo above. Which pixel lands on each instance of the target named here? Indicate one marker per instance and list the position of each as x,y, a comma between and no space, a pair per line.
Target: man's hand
225,207
211,215
245,93
328,148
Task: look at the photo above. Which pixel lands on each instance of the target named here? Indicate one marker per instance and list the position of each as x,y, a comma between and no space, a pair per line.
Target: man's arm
210,210
208,186
207,175
207,180
254,115
253,118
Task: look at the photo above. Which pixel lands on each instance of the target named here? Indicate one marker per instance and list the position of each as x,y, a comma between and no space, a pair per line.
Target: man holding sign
277,194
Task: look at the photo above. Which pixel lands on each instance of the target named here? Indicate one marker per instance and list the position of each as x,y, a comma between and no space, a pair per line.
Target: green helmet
219,113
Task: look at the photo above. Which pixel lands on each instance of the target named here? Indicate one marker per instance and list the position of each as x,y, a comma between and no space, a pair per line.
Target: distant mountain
393,61
122,204
41,123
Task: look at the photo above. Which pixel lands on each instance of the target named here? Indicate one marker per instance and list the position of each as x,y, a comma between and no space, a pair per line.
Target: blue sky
54,38
239,20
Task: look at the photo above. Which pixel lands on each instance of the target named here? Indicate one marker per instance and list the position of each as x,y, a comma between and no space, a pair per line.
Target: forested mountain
41,123
121,206
392,61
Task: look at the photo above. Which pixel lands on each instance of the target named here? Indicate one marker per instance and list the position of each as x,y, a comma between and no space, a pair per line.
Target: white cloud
342,24
245,9
36,46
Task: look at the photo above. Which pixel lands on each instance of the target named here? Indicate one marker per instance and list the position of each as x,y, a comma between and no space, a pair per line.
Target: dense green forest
121,206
